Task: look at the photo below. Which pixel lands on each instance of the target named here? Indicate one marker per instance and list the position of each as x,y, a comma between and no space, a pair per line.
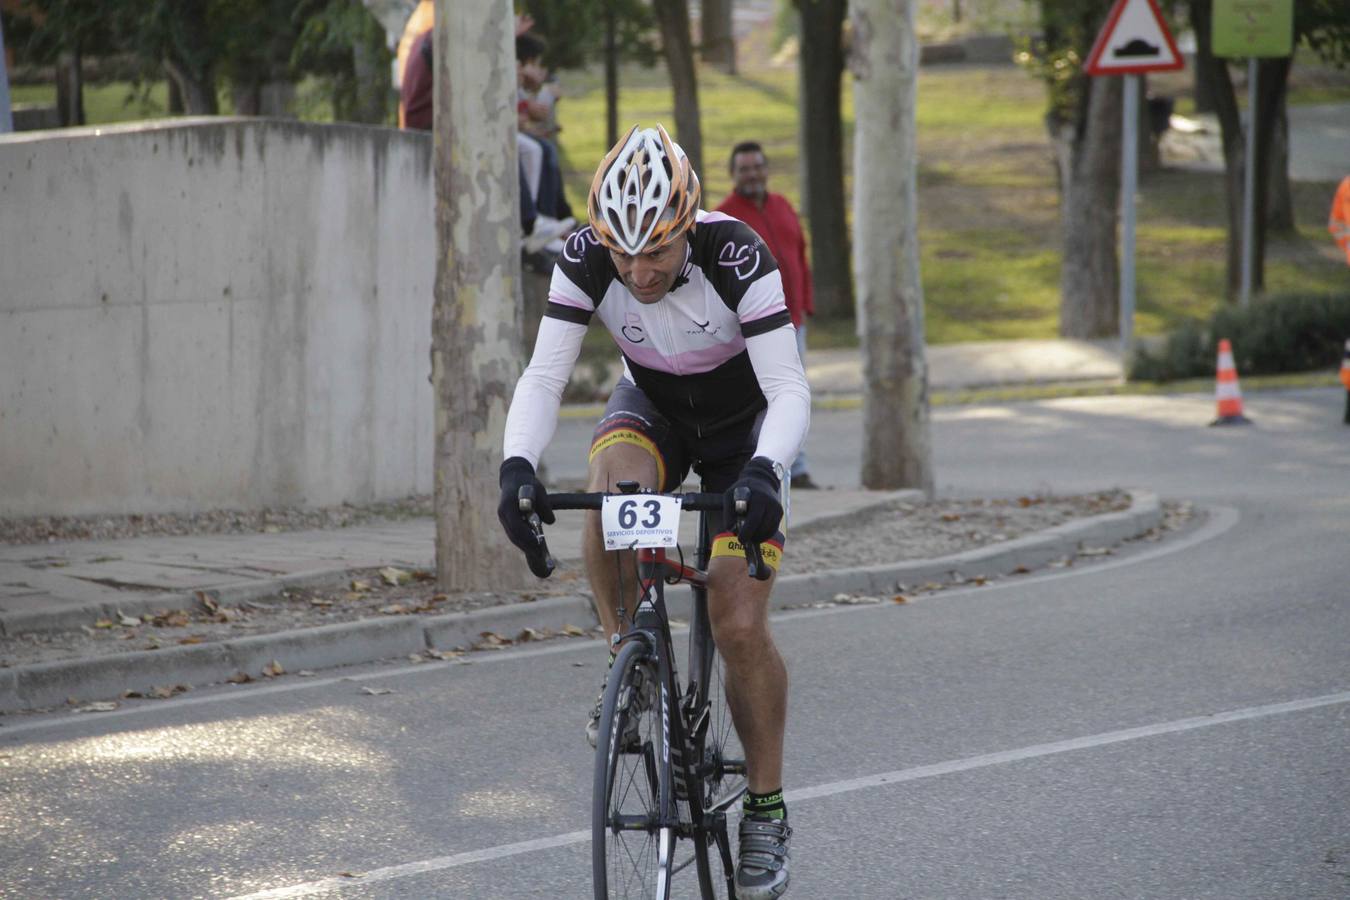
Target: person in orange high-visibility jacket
1339,224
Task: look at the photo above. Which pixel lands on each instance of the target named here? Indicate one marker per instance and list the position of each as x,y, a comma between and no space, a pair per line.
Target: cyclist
712,380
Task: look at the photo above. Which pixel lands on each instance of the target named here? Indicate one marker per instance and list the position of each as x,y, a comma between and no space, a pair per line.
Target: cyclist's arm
533,415
778,368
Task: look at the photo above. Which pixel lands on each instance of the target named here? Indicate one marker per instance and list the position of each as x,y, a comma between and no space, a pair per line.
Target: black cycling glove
515,473
764,512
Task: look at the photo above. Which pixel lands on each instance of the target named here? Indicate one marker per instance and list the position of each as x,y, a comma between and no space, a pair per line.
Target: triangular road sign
1134,39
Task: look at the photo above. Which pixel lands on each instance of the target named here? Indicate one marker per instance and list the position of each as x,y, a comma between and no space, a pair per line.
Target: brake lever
754,557
525,502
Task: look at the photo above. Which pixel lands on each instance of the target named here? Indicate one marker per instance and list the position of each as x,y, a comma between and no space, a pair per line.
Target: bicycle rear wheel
632,821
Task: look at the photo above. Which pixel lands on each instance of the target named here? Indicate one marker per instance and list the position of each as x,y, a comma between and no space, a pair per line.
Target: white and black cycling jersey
710,355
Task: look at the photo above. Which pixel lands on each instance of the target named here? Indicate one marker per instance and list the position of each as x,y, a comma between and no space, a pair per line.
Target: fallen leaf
1020,570
274,669
207,601
376,692
951,517
439,598
416,658
490,640
1095,551
127,621
192,639
424,575
172,619
394,609
899,598
103,623
395,577
528,634
320,601
573,631
351,874
445,654
163,693
304,673
240,678
102,706
360,586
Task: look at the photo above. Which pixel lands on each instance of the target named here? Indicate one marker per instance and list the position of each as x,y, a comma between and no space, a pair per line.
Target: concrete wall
228,313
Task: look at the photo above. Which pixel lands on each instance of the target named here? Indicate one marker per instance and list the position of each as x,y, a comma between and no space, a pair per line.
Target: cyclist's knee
737,607
621,462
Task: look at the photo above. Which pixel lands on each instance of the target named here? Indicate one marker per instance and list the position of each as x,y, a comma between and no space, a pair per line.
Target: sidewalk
68,585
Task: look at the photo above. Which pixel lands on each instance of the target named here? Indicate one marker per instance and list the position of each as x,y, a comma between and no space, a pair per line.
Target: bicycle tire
632,785
717,751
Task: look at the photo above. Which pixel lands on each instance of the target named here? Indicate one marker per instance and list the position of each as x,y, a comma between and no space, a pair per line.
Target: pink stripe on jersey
564,300
703,360
718,217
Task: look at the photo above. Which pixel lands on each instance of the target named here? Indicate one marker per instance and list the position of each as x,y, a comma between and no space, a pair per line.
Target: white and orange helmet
645,193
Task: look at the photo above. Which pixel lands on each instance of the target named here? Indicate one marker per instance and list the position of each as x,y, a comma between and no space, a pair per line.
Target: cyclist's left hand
764,512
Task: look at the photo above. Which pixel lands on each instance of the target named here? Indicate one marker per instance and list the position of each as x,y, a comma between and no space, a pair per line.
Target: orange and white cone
1226,391
1345,379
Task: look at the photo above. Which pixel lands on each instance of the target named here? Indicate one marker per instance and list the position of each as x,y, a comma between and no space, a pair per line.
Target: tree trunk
1089,305
70,88
611,76
189,61
885,65
718,36
1280,202
678,47
373,83
821,69
475,325
1230,130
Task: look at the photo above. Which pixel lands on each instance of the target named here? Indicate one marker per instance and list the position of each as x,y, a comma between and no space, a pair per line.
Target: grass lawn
988,200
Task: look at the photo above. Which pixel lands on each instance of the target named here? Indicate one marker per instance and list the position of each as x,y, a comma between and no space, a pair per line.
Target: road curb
44,685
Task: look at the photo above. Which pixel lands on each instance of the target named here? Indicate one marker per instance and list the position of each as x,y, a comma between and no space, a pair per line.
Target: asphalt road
1171,723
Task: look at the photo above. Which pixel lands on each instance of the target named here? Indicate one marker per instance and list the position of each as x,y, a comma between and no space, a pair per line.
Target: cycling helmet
645,193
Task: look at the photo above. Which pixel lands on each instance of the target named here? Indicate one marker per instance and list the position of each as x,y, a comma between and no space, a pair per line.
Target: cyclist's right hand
515,473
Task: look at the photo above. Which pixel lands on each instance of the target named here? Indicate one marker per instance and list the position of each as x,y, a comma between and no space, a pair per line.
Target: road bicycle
666,768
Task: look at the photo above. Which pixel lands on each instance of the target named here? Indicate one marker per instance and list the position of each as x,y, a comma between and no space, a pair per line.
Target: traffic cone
1345,379
1226,390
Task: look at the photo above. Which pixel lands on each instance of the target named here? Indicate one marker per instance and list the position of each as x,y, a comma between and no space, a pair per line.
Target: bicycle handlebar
699,502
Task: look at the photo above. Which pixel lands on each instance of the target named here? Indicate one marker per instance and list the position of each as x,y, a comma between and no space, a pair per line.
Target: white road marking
1221,519
831,789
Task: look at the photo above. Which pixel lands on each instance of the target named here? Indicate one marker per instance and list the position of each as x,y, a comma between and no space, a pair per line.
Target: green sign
1253,28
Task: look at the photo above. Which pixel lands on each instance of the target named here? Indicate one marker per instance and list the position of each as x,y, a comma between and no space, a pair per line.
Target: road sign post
1133,41
1251,28
6,118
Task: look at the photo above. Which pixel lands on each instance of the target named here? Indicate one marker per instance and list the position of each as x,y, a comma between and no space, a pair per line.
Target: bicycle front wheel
632,814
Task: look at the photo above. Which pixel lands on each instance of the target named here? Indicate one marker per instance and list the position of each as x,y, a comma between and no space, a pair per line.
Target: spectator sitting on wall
543,231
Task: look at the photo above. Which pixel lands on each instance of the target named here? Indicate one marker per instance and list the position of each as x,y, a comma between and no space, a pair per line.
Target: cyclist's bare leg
618,462
756,679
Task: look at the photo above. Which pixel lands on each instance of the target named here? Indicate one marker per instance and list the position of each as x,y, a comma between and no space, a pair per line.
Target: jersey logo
632,329
743,259
703,328
575,248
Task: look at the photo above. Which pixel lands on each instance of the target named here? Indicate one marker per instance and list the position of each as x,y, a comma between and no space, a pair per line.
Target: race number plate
640,520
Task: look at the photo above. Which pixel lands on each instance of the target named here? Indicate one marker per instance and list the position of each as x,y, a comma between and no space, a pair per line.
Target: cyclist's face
649,276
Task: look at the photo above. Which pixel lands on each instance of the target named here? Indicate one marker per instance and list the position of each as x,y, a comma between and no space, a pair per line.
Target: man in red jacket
774,219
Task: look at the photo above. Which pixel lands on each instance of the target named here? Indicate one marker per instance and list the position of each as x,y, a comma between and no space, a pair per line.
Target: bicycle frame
685,714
